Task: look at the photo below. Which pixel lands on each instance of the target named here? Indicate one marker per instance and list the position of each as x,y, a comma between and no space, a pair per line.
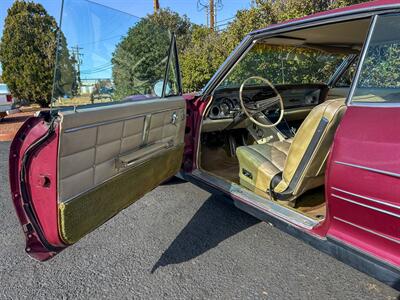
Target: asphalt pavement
177,242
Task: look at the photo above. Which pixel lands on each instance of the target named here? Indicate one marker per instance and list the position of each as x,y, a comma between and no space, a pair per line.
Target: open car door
120,134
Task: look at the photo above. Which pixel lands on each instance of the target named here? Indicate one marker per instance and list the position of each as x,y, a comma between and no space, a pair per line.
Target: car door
363,184
73,168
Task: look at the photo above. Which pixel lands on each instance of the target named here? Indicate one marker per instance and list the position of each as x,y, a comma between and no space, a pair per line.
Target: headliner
349,35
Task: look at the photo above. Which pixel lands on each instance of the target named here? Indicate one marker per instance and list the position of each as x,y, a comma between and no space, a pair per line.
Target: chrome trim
137,164
267,206
368,230
374,104
146,129
345,65
367,198
74,129
397,175
367,206
361,60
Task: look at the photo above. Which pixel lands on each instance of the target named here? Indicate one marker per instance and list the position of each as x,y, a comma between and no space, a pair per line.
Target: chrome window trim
361,61
349,100
345,65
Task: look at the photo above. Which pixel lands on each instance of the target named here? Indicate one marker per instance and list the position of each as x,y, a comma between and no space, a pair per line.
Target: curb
6,137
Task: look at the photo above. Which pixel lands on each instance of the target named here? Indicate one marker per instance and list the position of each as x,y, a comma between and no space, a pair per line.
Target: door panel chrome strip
367,206
258,202
368,230
366,198
397,175
118,120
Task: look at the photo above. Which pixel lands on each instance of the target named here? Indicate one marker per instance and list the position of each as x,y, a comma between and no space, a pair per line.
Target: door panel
92,185
93,163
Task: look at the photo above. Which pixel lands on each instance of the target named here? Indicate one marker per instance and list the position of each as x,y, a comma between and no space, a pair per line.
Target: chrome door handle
174,118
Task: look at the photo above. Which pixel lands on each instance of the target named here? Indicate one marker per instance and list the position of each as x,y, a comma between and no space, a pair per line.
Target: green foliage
139,60
27,52
199,62
285,65
209,49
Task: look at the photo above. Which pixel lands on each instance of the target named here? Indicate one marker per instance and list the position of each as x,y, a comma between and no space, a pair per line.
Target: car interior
270,123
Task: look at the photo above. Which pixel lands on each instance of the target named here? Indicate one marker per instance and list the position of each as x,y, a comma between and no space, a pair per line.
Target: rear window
4,89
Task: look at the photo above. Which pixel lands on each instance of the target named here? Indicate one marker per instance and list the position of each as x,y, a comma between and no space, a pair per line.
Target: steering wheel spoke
253,109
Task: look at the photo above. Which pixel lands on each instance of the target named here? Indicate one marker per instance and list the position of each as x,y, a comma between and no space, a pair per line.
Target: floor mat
312,203
217,161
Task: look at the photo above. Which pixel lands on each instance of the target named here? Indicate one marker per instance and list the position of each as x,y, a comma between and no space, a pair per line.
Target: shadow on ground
214,222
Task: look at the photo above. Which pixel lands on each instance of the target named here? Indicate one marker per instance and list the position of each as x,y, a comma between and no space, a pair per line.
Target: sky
140,8
96,26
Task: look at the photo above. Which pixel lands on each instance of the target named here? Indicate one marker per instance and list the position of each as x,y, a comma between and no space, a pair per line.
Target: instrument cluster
224,108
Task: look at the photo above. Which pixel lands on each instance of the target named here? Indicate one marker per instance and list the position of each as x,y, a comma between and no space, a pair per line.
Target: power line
225,20
211,8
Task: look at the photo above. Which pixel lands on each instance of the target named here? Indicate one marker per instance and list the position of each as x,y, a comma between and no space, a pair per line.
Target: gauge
225,109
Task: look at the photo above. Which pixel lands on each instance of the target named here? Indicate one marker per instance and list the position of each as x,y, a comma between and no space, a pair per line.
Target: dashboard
226,101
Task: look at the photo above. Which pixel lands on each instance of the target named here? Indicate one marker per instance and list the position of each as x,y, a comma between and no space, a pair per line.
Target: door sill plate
258,202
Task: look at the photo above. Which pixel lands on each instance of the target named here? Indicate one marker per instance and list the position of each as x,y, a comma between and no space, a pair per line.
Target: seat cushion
260,163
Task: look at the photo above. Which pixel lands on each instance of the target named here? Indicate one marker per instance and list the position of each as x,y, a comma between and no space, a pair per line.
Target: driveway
177,242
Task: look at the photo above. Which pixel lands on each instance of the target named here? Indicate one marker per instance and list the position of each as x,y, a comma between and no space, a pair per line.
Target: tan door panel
92,143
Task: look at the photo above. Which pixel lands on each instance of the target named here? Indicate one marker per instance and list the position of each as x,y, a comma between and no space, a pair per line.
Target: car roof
356,8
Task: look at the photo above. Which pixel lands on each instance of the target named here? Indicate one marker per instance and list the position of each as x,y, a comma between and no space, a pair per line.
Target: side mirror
158,88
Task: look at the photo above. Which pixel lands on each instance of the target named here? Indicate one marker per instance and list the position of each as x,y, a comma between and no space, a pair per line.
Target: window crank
174,118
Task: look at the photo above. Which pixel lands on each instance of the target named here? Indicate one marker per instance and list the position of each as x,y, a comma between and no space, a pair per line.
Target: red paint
42,185
367,137
195,108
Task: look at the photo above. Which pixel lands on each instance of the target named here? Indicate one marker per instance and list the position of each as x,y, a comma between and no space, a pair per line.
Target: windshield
105,55
285,65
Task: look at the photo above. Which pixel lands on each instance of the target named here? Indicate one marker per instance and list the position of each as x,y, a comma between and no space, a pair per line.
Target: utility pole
156,6
211,7
212,15
78,59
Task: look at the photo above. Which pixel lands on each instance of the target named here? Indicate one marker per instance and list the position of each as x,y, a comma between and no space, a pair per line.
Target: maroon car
299,127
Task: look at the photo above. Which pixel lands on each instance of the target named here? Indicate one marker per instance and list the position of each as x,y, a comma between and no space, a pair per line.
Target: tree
140,58
208,49
199,61
28,52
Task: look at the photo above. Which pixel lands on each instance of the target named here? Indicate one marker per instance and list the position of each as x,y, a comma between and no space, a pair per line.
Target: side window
347,77
379,76
173,83
106,56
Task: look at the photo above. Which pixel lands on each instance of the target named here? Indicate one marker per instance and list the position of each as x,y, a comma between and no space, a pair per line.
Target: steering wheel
258,107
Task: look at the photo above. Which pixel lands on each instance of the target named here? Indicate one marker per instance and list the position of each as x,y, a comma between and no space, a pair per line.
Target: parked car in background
7,103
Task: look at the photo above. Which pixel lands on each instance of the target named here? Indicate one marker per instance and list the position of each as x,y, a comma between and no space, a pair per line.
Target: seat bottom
260,163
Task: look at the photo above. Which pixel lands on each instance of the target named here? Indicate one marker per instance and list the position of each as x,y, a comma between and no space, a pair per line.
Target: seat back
305,164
